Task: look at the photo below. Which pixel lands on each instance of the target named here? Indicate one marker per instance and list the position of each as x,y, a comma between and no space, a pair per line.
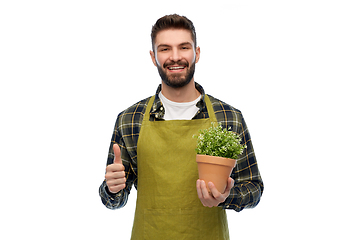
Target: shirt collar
158,110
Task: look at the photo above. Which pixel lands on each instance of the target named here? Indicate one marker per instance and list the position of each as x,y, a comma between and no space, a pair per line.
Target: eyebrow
181,44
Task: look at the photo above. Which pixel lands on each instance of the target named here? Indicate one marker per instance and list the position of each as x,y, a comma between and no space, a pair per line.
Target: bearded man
152,148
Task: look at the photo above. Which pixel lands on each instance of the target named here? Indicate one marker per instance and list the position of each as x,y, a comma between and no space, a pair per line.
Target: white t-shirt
179,111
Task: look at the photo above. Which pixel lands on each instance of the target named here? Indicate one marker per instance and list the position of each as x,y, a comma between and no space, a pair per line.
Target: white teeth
175,68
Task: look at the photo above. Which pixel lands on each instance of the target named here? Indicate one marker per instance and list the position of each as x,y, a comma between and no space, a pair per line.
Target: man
152,148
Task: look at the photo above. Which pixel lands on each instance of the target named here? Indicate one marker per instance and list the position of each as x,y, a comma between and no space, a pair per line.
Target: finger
204,190
215,193
115,182
201,190
117,154
230,184
115,175
117,188
114,168
198,189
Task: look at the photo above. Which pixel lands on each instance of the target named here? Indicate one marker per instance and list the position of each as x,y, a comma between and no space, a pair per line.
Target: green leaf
220,142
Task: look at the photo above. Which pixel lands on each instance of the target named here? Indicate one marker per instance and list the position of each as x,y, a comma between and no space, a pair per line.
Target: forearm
244,195
248,187
110,200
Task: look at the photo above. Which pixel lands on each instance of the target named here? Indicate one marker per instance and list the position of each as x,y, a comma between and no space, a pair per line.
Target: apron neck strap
210,109
148,108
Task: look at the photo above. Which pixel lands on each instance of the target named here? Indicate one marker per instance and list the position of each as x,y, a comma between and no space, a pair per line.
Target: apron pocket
178,224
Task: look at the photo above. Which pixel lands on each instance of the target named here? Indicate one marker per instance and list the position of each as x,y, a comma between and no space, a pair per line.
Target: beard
176,80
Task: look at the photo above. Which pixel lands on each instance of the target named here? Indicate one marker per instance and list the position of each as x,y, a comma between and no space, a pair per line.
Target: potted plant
217,150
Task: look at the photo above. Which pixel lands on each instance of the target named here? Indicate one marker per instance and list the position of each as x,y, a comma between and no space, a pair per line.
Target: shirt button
161,108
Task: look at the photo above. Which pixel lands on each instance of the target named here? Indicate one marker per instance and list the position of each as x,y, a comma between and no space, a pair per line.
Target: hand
215,197
115,173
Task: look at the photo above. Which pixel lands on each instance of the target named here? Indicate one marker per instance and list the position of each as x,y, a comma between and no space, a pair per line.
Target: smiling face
175,56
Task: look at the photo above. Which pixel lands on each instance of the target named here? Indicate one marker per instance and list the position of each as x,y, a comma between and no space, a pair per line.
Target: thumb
117,154
230,184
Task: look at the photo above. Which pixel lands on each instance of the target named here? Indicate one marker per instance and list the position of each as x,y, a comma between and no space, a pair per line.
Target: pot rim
215,160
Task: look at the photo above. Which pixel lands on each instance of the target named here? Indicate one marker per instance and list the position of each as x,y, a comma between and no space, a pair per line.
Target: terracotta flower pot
215,169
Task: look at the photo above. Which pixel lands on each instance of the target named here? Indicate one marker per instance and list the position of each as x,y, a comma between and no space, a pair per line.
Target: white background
67,68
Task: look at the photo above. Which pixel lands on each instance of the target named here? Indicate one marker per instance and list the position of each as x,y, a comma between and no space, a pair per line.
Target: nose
175,55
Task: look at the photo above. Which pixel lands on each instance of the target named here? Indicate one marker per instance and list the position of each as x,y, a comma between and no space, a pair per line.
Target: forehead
173,37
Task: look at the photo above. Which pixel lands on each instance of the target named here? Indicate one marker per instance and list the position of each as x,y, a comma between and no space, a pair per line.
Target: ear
153,58
197,52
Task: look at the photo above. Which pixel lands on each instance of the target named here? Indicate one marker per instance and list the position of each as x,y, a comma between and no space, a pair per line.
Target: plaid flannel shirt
248,186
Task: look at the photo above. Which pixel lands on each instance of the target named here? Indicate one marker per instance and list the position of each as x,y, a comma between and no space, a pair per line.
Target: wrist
112,195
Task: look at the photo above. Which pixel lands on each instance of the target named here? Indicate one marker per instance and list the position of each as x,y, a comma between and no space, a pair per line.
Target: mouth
176,68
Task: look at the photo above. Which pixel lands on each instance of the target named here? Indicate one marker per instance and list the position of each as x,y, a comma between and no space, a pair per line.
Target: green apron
168,207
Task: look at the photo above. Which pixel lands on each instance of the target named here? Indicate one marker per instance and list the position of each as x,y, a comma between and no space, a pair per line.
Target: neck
187,93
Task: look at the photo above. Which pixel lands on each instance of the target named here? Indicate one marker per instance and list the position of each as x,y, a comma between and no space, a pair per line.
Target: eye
164,49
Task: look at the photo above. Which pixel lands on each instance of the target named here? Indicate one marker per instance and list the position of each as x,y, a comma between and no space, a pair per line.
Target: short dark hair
174,21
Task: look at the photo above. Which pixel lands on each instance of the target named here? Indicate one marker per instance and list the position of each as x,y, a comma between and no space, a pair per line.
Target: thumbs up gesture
115,173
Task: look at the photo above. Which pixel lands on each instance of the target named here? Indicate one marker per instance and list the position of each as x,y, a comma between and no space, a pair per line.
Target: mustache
170,63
